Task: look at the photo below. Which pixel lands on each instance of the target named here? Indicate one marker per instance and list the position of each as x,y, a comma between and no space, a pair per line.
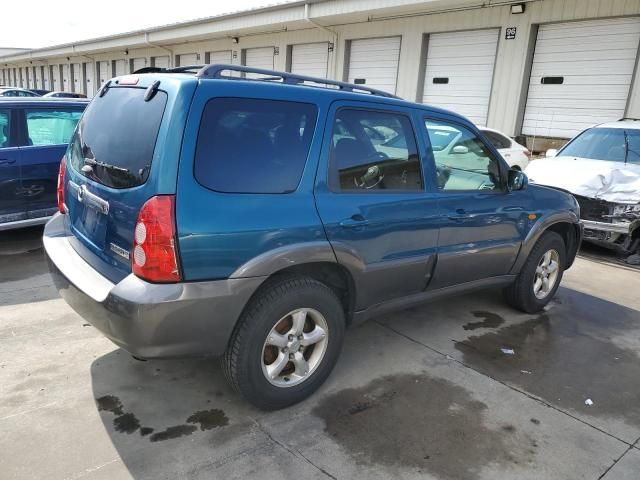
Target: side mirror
460,149
517,180
552,152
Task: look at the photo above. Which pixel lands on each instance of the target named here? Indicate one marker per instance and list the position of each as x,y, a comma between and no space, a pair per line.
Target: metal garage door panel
595,60
66,78
76,76
161,62
465,60
121,67
261,57
90,80
223,56
186,59
310,59
39,78
139,63
30,77
104,72
374,62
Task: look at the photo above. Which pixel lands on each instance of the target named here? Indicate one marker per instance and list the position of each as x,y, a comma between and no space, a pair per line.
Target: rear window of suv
252,145
116,137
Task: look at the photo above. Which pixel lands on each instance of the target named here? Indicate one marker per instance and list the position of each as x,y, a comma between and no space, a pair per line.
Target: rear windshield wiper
94,163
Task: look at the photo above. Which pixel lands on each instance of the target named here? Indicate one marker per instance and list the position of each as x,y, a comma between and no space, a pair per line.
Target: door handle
354,221
4,161
459,215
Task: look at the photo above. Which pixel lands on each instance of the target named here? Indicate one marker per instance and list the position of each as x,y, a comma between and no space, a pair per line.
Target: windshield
609,144
116,137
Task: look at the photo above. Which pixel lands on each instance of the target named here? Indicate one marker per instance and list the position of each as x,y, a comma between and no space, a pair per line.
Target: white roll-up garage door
29,77
104,72
161,62
90,81
66,77
186,59
459,72
374,62
38,76
261,57
121,67
76,76
310,59
222,56
138,63
581,75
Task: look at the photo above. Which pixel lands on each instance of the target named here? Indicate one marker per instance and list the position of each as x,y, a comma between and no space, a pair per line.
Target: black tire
242,362
520,294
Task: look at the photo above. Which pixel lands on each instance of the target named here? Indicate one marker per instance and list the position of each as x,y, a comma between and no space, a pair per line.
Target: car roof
284,80
630,123
40,101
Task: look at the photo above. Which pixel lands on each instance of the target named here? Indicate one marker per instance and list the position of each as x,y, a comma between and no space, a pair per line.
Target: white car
601,168
516,155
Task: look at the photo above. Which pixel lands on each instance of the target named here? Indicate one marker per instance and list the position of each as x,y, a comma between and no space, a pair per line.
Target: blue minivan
255,215
34,134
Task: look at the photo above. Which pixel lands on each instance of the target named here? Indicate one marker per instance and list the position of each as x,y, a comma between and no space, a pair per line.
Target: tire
271,314
521,294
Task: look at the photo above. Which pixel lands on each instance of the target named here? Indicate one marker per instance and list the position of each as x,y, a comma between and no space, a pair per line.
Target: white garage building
541,68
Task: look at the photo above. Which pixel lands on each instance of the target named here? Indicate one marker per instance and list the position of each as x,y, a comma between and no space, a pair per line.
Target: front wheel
540,276
286,343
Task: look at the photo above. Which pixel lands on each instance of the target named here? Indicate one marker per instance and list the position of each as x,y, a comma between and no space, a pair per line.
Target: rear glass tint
253,146
51,126
117,137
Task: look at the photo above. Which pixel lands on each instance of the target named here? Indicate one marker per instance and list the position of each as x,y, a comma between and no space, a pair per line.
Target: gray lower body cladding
148,320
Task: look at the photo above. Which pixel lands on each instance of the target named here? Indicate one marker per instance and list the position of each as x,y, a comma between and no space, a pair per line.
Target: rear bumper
148,320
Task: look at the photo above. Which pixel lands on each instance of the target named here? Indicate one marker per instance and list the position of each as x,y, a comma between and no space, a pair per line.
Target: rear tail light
60,188
154,245
527,152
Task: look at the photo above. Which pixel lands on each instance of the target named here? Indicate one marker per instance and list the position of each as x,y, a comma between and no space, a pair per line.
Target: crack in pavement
295,452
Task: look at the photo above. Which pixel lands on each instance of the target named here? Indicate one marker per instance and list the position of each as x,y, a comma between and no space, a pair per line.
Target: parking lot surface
464,388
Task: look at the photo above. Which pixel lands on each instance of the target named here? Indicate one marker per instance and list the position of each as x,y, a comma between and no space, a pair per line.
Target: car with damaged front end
601,168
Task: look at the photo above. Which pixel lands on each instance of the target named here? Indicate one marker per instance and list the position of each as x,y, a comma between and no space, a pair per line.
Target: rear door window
51,126
5,126
252,145
117,137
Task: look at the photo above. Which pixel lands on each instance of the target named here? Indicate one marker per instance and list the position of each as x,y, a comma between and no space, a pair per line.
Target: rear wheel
286,343
540,276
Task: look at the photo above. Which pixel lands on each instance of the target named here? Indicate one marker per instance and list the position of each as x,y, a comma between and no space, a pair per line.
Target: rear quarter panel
220,232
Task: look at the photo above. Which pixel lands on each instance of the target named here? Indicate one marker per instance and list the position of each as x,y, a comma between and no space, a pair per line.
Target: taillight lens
60,188
154,255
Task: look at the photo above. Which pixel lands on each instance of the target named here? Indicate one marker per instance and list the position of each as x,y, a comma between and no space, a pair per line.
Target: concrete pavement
423,393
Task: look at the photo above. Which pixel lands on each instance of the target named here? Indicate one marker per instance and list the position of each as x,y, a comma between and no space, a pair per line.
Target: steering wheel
371,178
442,174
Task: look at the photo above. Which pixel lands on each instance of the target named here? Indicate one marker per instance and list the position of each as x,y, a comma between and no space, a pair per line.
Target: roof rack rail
184,69
216,71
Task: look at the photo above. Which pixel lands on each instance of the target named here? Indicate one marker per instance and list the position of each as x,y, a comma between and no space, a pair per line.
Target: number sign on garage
459,72
374,62
310,59
580,76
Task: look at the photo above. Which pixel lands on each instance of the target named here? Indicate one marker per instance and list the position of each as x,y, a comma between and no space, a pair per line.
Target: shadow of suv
206,213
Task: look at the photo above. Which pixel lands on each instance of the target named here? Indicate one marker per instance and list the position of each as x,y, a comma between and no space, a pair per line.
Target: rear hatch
113,167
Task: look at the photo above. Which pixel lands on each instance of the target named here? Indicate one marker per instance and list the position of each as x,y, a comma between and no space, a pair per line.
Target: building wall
413,24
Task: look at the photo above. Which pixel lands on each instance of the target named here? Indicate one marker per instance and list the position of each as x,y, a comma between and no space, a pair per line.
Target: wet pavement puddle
127,422
567,355
421,422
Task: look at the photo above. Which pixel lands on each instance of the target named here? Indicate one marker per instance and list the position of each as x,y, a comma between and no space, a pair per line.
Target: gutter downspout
146,40
333,33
